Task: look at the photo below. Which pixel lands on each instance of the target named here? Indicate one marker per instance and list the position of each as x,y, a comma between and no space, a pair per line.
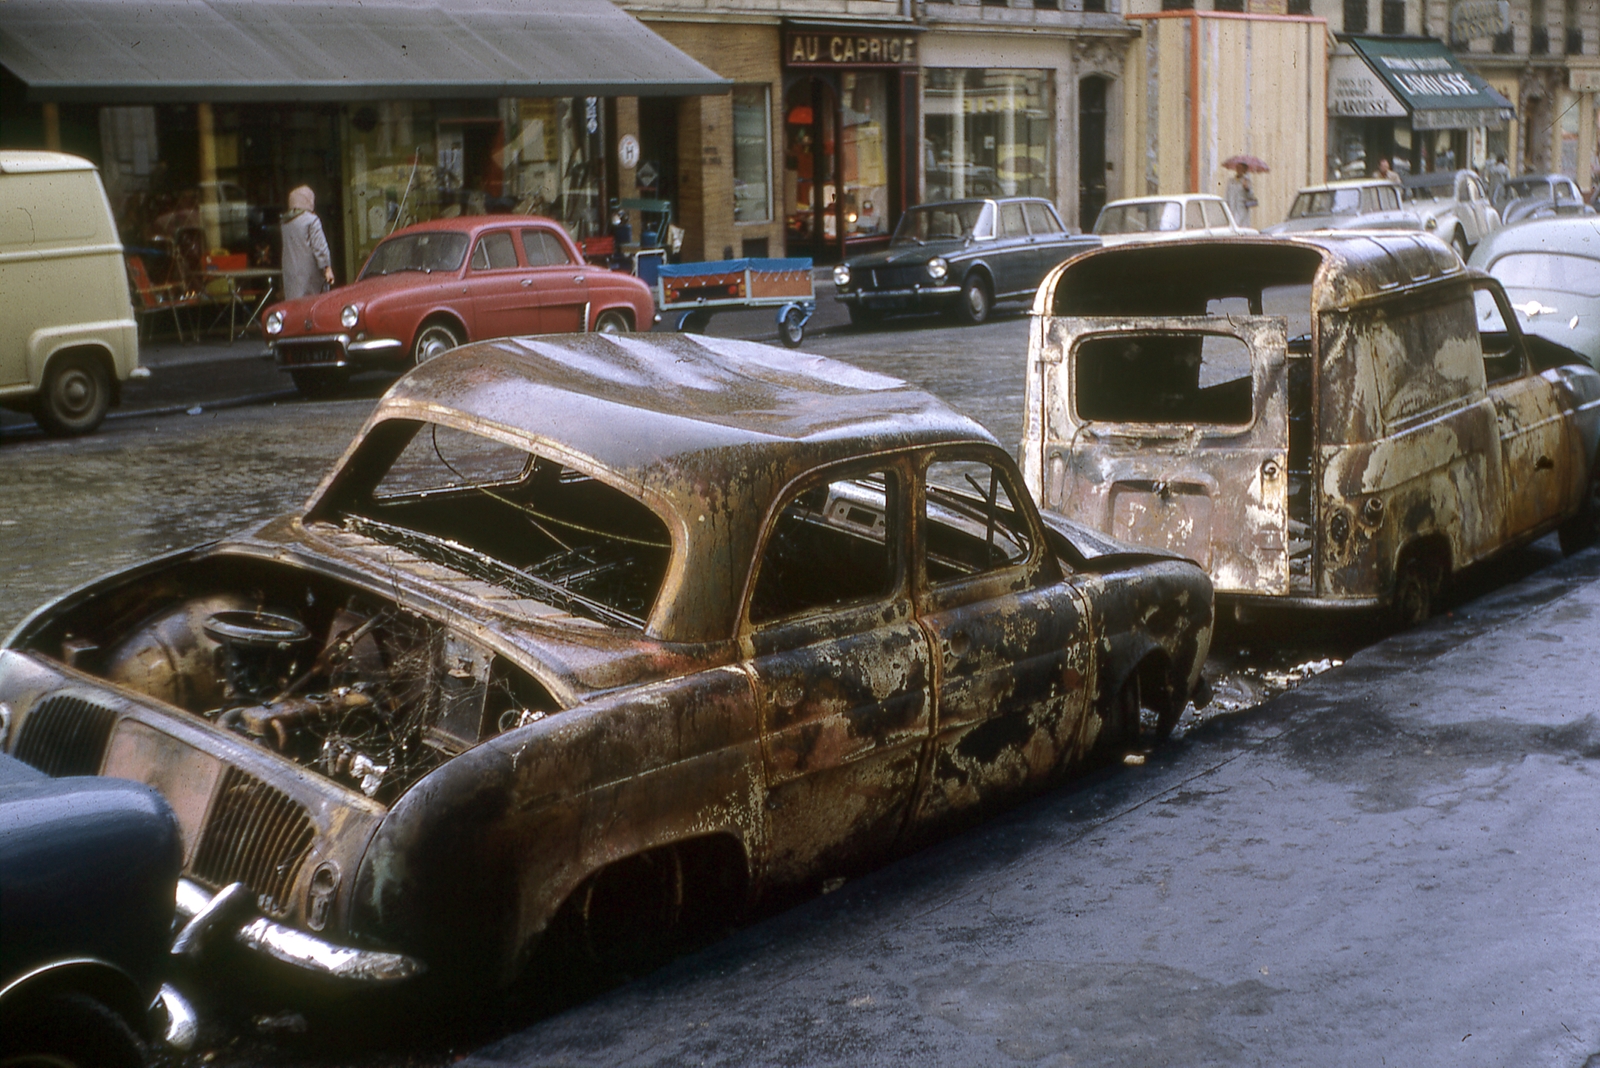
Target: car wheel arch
104,362
441,316
99,979
1428,555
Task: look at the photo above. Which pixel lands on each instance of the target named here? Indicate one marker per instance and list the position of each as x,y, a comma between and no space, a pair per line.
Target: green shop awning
1432,85
153,51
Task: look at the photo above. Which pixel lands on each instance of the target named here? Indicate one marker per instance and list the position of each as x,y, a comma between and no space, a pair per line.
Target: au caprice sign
848,48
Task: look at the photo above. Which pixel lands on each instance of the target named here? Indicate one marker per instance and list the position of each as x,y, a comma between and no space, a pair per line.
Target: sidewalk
1393,864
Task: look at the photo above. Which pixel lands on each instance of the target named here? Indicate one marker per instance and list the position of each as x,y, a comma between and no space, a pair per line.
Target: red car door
560,282
499,288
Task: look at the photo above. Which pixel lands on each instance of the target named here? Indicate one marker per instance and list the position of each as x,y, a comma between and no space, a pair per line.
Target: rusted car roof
706,431
1365,264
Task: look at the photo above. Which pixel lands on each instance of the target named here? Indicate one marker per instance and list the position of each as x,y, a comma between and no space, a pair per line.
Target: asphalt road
1387,865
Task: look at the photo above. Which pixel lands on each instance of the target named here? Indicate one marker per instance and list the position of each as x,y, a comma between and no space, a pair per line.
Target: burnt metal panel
65,735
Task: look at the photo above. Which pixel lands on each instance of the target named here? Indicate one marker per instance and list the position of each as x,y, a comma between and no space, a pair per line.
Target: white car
1164,218
1455,205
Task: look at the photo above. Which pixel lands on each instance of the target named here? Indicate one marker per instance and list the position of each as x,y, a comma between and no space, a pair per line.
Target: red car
421,293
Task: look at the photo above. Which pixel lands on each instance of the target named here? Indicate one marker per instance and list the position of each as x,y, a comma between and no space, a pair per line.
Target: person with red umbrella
1239,196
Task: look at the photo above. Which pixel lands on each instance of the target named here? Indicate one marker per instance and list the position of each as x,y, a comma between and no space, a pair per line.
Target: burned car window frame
1024,524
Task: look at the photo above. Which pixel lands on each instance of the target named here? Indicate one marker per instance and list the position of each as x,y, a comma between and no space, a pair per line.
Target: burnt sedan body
593,639
961,256
436,285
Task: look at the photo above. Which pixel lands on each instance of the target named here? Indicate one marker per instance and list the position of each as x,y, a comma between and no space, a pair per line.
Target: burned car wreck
1329,421
587,641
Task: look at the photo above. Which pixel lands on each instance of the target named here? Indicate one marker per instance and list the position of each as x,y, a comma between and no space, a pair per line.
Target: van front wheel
75,397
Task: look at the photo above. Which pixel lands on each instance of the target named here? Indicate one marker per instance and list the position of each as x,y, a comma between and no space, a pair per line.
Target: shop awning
151,51
1431,84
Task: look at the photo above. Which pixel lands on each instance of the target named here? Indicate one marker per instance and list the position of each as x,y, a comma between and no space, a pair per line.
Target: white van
68,337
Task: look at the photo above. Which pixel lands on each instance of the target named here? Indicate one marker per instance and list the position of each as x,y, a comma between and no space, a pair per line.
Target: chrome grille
65,735
256,835
899,277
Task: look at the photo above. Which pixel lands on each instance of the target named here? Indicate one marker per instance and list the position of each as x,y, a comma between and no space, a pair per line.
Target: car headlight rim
274,324
938,269
349,316
841,276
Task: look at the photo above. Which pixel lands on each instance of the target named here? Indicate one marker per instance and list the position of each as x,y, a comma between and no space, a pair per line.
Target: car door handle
579,278
788,692
958,643
527,282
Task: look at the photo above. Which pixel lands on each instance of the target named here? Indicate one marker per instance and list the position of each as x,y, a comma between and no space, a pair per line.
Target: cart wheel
694,322
792,330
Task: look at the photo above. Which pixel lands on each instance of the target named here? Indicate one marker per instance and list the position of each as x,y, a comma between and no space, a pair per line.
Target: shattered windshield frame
499,512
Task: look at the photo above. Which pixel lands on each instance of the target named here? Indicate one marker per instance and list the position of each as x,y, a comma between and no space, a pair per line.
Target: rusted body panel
1385,422
409,739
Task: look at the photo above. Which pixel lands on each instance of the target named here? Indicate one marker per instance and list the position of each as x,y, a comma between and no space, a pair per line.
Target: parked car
68,338
1550,269
439,284
88,873
1454,205
1368,204
591,641
1165,218
959,255
1331,421
1539,196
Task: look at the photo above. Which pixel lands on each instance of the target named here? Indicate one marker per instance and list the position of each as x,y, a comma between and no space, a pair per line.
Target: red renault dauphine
433,286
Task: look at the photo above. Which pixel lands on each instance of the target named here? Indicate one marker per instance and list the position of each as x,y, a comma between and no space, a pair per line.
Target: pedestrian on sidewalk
307,267
1240,197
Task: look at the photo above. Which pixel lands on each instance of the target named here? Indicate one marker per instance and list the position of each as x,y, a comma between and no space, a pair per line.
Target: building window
863,153
1177,5
1230,5
1355,16
1090,5
1394,17
1574,32
1299,7
1538,28
988,133
1505,42
752,154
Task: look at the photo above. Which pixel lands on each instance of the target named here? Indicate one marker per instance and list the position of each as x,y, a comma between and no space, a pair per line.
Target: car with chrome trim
1539,196
962,256
1363,204
88,871
1454,206
1550,269
435,285
590,643
1166,219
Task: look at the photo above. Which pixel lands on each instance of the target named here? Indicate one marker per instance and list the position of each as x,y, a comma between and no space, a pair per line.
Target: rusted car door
1011,643
1171,432
841,673
500,293
1541,459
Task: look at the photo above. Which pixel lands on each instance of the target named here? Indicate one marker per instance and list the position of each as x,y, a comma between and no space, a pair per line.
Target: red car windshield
426,252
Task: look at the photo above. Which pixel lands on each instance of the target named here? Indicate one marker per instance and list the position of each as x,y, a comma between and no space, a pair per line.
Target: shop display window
988,133
752,154
863,159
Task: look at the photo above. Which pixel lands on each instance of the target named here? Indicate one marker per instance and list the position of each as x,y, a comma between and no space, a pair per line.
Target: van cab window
1501,359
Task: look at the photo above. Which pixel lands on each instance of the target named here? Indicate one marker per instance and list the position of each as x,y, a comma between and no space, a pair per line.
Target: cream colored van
68,337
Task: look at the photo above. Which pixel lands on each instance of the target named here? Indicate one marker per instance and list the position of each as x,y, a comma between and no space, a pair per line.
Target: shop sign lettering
1354,91
850,50
1429,76
1471,19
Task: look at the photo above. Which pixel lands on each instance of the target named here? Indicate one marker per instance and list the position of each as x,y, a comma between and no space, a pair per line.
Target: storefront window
863,167
989,133
554,161
752,154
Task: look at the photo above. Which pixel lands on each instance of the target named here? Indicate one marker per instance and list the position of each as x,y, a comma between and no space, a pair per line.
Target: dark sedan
421,293
962,256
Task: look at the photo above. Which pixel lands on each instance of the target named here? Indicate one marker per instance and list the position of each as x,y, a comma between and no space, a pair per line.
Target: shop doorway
471,176
1091,150
810,180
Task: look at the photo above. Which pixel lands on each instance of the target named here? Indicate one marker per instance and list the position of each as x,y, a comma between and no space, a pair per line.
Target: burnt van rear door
1172,432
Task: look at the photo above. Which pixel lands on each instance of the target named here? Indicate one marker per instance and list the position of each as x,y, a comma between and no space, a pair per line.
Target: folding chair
156,299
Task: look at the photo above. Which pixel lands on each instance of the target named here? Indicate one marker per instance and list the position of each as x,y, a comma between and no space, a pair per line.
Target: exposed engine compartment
349,686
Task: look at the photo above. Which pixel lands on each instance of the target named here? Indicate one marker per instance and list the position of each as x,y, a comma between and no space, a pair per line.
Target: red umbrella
1247,162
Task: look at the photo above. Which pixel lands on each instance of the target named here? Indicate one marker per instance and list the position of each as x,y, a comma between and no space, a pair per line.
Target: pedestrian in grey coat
307,268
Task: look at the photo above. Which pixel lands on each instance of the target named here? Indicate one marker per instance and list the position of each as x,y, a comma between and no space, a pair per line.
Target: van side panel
1409,450
62,274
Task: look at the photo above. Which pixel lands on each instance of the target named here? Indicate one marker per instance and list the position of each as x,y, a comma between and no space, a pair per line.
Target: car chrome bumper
202,913
330,350
886,299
